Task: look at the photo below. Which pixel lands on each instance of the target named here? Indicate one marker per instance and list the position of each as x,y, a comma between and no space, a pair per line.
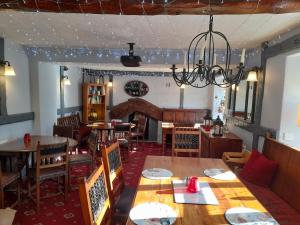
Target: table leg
164,137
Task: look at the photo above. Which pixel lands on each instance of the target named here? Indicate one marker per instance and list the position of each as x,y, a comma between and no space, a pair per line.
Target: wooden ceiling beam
157,7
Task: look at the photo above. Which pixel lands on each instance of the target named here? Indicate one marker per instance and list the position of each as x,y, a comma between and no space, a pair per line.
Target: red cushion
84,131
260,170
248,166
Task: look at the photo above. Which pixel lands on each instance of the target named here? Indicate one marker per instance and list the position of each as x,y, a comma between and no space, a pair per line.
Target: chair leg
1,198
68,182
38,195
19,192
66,186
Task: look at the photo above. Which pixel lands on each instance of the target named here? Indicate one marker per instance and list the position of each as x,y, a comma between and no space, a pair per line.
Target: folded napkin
7,216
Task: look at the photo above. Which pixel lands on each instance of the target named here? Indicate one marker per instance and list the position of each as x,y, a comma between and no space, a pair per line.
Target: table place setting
192,191
152,213
248,216
219,174
157,174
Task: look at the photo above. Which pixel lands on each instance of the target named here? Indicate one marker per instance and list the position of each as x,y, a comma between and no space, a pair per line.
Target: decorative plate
248,216
157,173
152,213
220,174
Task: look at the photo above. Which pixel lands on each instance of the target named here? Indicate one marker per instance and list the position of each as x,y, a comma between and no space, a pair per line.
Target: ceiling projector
131,60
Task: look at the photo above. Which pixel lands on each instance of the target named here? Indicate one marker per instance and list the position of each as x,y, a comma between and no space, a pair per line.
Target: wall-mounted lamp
66,80
253,74
7,69
182,86
235,88
110,83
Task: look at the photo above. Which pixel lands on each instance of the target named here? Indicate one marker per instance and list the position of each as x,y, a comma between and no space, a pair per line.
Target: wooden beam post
3,109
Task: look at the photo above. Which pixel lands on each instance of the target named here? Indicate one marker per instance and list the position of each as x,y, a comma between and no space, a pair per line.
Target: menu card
205,195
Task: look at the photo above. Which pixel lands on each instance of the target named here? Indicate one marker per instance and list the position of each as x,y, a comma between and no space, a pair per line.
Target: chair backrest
186,139
92,143
63,131
142,124
94,199
122,131
113,170
72,120
51,156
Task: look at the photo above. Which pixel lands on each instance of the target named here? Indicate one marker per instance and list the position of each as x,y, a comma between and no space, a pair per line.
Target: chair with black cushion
94,199
186,139
6,179
121,196
122,134
140,129
52,162
75,159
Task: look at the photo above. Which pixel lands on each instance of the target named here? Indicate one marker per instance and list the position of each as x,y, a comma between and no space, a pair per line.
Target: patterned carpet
56,211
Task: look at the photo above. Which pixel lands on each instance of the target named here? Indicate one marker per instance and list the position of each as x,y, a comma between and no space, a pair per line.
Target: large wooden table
229,193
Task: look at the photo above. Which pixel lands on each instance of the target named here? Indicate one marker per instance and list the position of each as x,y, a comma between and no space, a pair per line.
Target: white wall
47,96
73,93
289,131
273,92
161,95
17,91
197,98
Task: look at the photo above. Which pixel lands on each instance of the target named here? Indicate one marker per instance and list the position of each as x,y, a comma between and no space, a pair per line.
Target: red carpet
56,211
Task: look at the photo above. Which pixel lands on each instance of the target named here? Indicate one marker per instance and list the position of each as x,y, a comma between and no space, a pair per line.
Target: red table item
27,138
193,185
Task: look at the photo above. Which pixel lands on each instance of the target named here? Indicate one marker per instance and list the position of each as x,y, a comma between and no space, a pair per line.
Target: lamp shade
298,116
110,84
252,76
9,70
66,81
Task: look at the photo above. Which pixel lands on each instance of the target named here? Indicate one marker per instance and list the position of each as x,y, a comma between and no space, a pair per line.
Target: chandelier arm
196,45
189,49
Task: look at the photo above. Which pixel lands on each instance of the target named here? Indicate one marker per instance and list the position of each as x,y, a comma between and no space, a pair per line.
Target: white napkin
7,216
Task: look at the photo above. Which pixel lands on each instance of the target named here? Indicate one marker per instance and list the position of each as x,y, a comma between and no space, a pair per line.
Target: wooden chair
75,159
186,139
5,180
80,130
120,195
122,134
94,199
52,161
140,129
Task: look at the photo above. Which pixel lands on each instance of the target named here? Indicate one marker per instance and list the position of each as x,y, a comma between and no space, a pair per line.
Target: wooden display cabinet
94,102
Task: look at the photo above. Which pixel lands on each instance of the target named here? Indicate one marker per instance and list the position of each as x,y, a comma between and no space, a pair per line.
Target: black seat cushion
80,158
48,173
124,203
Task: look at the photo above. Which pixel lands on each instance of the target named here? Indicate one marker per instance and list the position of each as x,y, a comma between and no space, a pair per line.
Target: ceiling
69,30
155,7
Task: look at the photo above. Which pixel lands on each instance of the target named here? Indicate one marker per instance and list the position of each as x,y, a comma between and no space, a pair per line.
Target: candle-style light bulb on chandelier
206,71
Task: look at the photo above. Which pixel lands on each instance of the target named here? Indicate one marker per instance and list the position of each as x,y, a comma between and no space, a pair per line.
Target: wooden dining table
18,145
229,193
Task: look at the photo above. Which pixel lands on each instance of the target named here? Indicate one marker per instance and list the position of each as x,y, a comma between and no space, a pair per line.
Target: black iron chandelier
205,71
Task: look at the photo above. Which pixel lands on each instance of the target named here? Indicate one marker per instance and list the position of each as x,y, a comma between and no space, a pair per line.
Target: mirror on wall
242,98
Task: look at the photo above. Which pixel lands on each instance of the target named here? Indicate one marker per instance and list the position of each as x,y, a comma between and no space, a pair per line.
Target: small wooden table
108,127
229,193
18,145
